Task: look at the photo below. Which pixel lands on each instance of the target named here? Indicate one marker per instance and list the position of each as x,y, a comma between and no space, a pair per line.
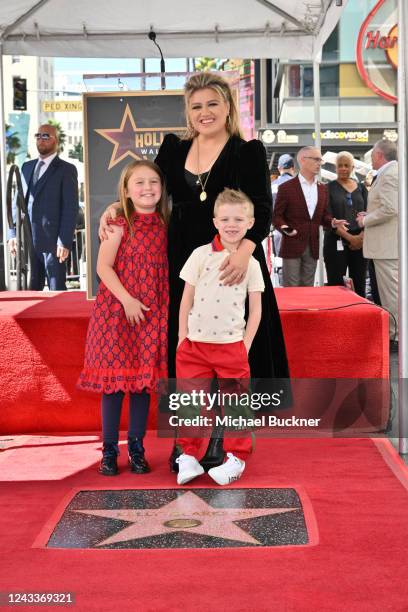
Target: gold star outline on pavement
125,138
187,513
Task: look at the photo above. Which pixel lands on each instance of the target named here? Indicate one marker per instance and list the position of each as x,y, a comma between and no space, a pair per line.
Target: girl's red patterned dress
118,356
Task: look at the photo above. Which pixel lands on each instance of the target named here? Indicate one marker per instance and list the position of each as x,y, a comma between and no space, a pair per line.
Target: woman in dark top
214,156
343,250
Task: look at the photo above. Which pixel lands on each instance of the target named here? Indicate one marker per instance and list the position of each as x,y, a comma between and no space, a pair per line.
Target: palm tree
62,137
208,63
13,144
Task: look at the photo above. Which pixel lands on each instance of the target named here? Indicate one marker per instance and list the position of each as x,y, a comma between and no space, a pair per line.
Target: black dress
241,165
345,205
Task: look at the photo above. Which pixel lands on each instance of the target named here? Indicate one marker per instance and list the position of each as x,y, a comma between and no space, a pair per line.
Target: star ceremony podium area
330,333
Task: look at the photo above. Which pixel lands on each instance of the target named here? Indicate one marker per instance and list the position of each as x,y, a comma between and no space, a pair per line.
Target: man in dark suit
51,191
300,209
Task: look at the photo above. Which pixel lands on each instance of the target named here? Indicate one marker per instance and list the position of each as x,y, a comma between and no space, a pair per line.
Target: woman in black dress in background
344,250
214,156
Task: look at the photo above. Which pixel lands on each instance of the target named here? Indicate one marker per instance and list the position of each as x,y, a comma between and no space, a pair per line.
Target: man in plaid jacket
300,209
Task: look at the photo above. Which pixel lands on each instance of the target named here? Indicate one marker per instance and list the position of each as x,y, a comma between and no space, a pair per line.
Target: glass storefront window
330,50
294,81
329,81
307,85
300,81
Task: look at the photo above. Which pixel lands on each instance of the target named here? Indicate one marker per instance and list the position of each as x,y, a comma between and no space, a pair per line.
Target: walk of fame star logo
131,141
173,518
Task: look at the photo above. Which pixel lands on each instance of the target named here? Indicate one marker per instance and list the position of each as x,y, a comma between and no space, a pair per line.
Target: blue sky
75,67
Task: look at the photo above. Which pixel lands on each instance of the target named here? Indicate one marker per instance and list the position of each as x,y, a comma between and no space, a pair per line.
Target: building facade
358,78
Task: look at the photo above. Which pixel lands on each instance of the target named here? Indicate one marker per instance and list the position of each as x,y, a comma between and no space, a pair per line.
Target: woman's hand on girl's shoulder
134,310
110,213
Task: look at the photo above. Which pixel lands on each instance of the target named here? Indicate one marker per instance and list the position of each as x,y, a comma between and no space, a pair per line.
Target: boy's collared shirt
218,311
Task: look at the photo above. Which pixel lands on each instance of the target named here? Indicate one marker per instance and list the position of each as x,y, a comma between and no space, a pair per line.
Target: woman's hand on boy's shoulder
234,268
110,213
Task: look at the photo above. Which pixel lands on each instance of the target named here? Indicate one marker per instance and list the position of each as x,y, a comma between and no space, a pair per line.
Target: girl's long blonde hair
210,80
126,204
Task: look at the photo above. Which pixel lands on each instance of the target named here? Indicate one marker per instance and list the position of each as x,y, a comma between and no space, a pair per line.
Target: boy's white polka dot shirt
218,311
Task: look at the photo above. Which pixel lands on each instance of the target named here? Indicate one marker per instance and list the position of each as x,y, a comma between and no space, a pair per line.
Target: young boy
213,338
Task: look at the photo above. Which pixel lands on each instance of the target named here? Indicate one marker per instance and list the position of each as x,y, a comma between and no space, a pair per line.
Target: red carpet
359,504
42,345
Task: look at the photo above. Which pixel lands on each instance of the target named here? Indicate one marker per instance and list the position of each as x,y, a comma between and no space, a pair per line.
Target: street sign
62,106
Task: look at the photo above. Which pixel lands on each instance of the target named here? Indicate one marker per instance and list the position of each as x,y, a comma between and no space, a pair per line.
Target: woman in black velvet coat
239,165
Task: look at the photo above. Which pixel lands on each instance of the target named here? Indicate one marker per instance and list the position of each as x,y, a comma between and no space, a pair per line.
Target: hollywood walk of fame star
123,138
189,513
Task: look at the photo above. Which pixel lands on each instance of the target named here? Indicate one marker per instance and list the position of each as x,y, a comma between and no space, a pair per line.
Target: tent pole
23,18
264,81
403,229
317,139
4,279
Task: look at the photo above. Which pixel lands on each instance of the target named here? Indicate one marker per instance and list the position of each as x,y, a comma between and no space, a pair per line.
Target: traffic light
19,94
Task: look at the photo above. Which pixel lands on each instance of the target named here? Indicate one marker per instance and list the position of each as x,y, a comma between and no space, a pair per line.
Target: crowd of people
361,225
176,285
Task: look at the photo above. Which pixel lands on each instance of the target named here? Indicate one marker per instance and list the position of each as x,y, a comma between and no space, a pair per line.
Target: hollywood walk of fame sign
120,128
132,142
175,518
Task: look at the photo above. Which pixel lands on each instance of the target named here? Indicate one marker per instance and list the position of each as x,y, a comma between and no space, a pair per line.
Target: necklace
203,194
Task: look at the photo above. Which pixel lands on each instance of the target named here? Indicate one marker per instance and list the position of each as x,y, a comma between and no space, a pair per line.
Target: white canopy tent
285,29
185,28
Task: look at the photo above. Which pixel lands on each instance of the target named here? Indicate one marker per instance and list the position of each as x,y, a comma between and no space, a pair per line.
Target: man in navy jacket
51,192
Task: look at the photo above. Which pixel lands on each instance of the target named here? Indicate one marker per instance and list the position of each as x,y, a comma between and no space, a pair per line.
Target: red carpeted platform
357,490
330,332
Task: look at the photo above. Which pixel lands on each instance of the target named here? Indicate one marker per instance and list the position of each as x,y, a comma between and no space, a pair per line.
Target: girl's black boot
109,463
137,461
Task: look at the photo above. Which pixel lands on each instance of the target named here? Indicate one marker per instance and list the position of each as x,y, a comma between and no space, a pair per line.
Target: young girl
126,345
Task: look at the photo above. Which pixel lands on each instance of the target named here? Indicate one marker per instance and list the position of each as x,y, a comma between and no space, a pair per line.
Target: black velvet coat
241,165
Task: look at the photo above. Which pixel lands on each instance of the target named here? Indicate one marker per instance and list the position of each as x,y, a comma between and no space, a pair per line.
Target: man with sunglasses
51,191
300,209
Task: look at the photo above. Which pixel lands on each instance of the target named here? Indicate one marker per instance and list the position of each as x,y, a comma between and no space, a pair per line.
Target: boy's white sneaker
229,471
189,468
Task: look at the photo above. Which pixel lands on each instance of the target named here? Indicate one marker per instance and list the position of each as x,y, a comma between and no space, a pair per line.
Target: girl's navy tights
111,409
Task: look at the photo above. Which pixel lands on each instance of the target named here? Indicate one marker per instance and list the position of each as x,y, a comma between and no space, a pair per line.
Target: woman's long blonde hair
126,204
210,80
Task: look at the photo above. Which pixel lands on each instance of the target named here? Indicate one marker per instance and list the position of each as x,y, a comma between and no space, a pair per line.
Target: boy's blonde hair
234,196
126,204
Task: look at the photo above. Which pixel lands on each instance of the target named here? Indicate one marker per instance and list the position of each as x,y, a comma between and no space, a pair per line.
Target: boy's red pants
207,361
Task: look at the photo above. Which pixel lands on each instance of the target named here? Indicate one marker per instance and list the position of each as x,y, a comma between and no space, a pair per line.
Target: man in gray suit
380,224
